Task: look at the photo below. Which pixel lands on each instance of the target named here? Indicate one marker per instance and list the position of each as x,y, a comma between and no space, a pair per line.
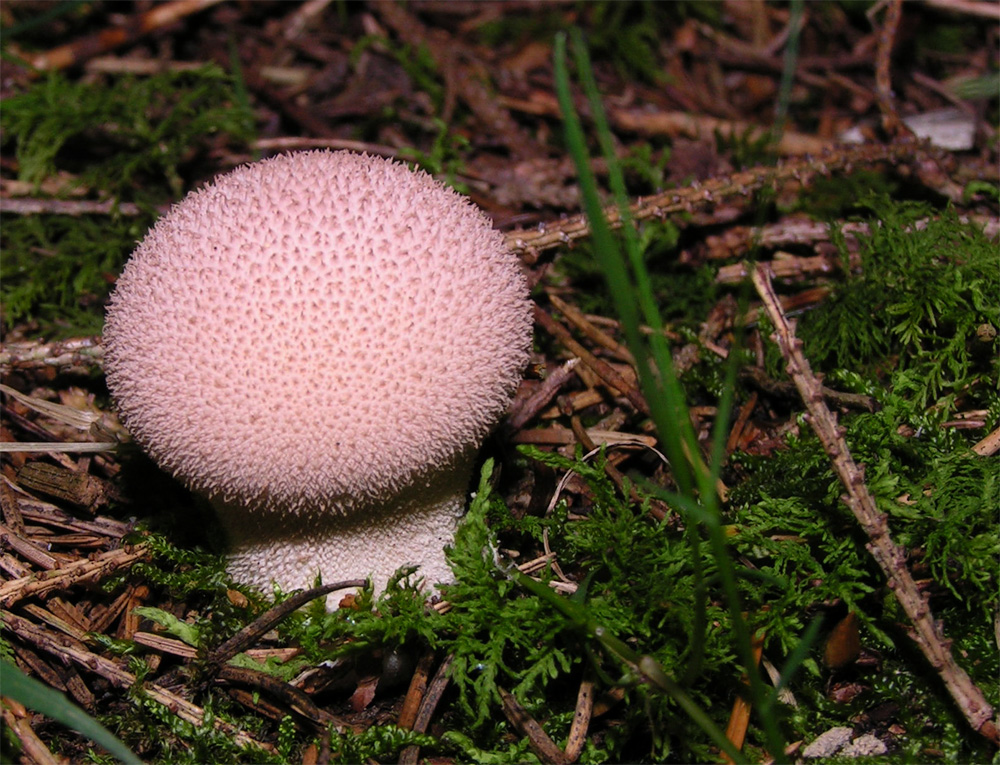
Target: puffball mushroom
319,342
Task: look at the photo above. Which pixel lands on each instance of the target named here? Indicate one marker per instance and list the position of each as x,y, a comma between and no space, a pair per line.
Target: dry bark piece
72,486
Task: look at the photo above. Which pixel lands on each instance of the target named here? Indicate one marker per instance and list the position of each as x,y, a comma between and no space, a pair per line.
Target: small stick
891,558
165,645
989,445
581,720
741,422
294,698
538,739
82,352
602,369
759,378
579,320
739,718
523,411
87,47
84,570
435,691
891,122
416,691
26,549
18,721
741,185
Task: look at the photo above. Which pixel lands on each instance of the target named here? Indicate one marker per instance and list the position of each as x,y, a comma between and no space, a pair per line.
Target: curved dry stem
927,632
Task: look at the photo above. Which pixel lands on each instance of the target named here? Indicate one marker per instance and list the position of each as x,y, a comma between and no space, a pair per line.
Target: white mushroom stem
412,527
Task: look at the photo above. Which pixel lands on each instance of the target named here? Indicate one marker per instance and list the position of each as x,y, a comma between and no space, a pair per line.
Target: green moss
123,137
927,283
127,139
59,269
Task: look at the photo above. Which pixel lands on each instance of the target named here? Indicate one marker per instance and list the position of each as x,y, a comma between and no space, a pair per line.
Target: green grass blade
663,404
39,697
632,294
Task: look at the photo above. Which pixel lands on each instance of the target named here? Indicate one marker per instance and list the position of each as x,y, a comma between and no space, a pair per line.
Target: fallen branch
741,185
891,558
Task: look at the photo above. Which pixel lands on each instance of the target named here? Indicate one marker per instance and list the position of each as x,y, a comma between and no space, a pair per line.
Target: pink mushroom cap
320,342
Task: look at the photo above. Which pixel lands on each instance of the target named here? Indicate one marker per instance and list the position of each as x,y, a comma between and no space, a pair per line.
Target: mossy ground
908,317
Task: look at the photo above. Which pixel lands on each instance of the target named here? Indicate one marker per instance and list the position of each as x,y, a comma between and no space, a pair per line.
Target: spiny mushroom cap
316,330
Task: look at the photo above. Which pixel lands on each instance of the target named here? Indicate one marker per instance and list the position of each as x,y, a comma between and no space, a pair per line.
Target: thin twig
578,319
738,186
524,410
891,122
294,698
891,558
250,634
601,368
18,721
759,378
